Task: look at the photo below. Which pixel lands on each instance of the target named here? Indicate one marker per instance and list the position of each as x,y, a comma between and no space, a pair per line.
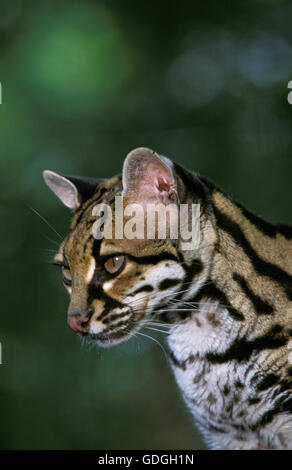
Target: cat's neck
251,259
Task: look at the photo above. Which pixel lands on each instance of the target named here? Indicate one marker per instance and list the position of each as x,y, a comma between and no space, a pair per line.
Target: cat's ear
149,177
72,191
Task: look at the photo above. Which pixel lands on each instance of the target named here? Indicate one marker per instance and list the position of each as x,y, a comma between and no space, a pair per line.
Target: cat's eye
114,264
66,275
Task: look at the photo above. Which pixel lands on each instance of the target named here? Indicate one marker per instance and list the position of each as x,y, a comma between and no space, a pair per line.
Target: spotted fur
228,303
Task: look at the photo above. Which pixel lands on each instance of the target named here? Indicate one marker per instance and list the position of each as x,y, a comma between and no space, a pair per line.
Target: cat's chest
215,393
232,408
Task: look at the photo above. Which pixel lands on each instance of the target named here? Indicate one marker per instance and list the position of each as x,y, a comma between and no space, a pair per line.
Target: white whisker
50,240
46,222
156,329
155,340
155,293
154,323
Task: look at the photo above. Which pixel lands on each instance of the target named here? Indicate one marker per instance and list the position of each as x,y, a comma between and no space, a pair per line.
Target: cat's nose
80,322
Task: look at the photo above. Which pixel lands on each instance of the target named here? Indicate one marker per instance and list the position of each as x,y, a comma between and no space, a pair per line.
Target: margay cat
228,302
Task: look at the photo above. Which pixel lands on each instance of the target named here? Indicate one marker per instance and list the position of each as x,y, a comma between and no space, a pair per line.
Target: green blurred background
83,83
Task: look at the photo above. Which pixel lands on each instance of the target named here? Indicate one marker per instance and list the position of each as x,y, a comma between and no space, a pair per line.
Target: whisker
46,222
51,240
175,310
155,293
154,323
195,304
156,329
183,310
155,340
150,296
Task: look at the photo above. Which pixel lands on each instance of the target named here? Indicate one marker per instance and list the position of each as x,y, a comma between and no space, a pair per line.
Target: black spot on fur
146,288
239,384
167,283
211,317
181,364
211,399
267,382
242,349
153,259
260,306
210,291
253,400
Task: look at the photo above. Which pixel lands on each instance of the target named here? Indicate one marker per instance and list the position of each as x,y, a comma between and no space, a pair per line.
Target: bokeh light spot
194,80
78,63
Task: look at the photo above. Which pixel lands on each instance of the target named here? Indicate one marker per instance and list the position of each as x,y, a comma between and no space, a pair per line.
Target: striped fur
228,305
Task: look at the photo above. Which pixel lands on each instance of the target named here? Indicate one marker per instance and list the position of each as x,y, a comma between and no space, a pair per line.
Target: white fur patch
96,327
90,271
160,272
198,335
107,285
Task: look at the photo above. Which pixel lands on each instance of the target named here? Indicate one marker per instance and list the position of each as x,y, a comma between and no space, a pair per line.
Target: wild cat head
124,264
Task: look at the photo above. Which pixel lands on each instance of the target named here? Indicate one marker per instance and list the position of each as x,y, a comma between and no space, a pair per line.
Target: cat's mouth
112,334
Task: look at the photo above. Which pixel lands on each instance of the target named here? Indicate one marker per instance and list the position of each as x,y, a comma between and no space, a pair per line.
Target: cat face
119,284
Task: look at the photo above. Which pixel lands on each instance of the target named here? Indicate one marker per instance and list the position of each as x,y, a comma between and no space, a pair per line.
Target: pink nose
79,323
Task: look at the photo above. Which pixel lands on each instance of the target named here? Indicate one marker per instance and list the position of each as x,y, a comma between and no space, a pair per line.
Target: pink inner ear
157,184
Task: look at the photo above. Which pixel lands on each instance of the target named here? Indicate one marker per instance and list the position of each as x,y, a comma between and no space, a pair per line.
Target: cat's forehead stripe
104,192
